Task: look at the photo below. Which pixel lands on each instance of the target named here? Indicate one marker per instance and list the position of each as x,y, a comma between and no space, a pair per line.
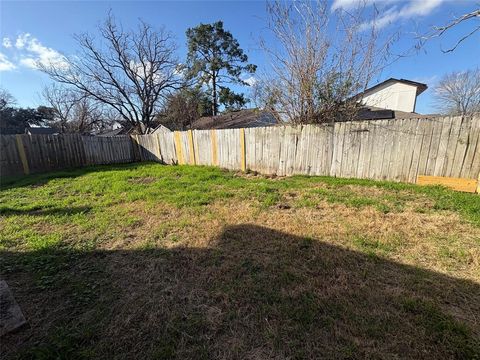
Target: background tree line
319,61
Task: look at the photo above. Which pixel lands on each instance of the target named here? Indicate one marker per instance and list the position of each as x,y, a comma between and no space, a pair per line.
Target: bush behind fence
397,149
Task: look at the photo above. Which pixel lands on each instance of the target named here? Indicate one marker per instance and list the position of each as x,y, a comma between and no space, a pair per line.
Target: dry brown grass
413,237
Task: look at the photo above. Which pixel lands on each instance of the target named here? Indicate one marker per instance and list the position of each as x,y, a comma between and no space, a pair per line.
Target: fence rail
397,149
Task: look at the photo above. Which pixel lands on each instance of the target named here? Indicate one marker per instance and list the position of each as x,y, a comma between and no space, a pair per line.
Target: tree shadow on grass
13,182
45,211
254,293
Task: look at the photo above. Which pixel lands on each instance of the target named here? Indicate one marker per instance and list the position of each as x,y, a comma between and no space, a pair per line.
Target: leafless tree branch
6,99
323,60
438,31
458,93
130,71
75,111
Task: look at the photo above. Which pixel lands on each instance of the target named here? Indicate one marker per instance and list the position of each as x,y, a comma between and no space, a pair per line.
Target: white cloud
21,40
422,8
7,43
389,11
38,54
349,4
384,20
29,62
142,70
29,52
251,80
5,64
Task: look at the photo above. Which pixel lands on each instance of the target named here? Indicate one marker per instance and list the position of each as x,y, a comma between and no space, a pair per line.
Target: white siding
393,96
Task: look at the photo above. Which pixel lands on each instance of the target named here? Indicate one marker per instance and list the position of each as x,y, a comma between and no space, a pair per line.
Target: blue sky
36,30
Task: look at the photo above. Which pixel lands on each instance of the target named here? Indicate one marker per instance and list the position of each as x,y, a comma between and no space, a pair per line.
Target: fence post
213,135
243,163
193,161
23,156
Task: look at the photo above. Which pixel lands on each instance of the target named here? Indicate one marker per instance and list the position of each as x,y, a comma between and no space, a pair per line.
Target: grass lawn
145,261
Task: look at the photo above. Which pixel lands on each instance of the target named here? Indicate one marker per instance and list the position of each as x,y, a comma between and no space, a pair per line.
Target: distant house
120,130
22,129
161,129
393,94
112,132
41,131
236,119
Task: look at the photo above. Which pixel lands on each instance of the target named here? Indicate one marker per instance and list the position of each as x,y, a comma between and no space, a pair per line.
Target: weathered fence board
167,146
203,147
472,151
395,149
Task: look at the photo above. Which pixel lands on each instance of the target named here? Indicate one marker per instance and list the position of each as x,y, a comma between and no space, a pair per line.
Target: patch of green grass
268,196
451,251
374,246
65,344
185,186
466,204
20,232
350,198
443,328
456,254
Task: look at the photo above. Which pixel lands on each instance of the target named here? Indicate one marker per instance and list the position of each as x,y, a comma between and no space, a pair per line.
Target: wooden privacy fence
396,149
27,154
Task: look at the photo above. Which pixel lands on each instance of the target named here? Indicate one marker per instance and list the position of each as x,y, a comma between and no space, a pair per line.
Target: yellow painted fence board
242,150
214,147
459,184
178,147
192,150
478,184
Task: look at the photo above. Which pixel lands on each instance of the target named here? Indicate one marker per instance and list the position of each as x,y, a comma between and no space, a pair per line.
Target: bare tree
6,99
75,111
459,92
324,58
440,30
264,94
130,71
62,101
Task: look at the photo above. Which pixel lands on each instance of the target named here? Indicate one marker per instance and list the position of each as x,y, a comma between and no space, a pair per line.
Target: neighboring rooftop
236,119
41,131
160,129
374,113
421,87
120,130
113,132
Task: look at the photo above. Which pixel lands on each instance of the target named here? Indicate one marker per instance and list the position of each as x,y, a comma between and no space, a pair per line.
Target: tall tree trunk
214,103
